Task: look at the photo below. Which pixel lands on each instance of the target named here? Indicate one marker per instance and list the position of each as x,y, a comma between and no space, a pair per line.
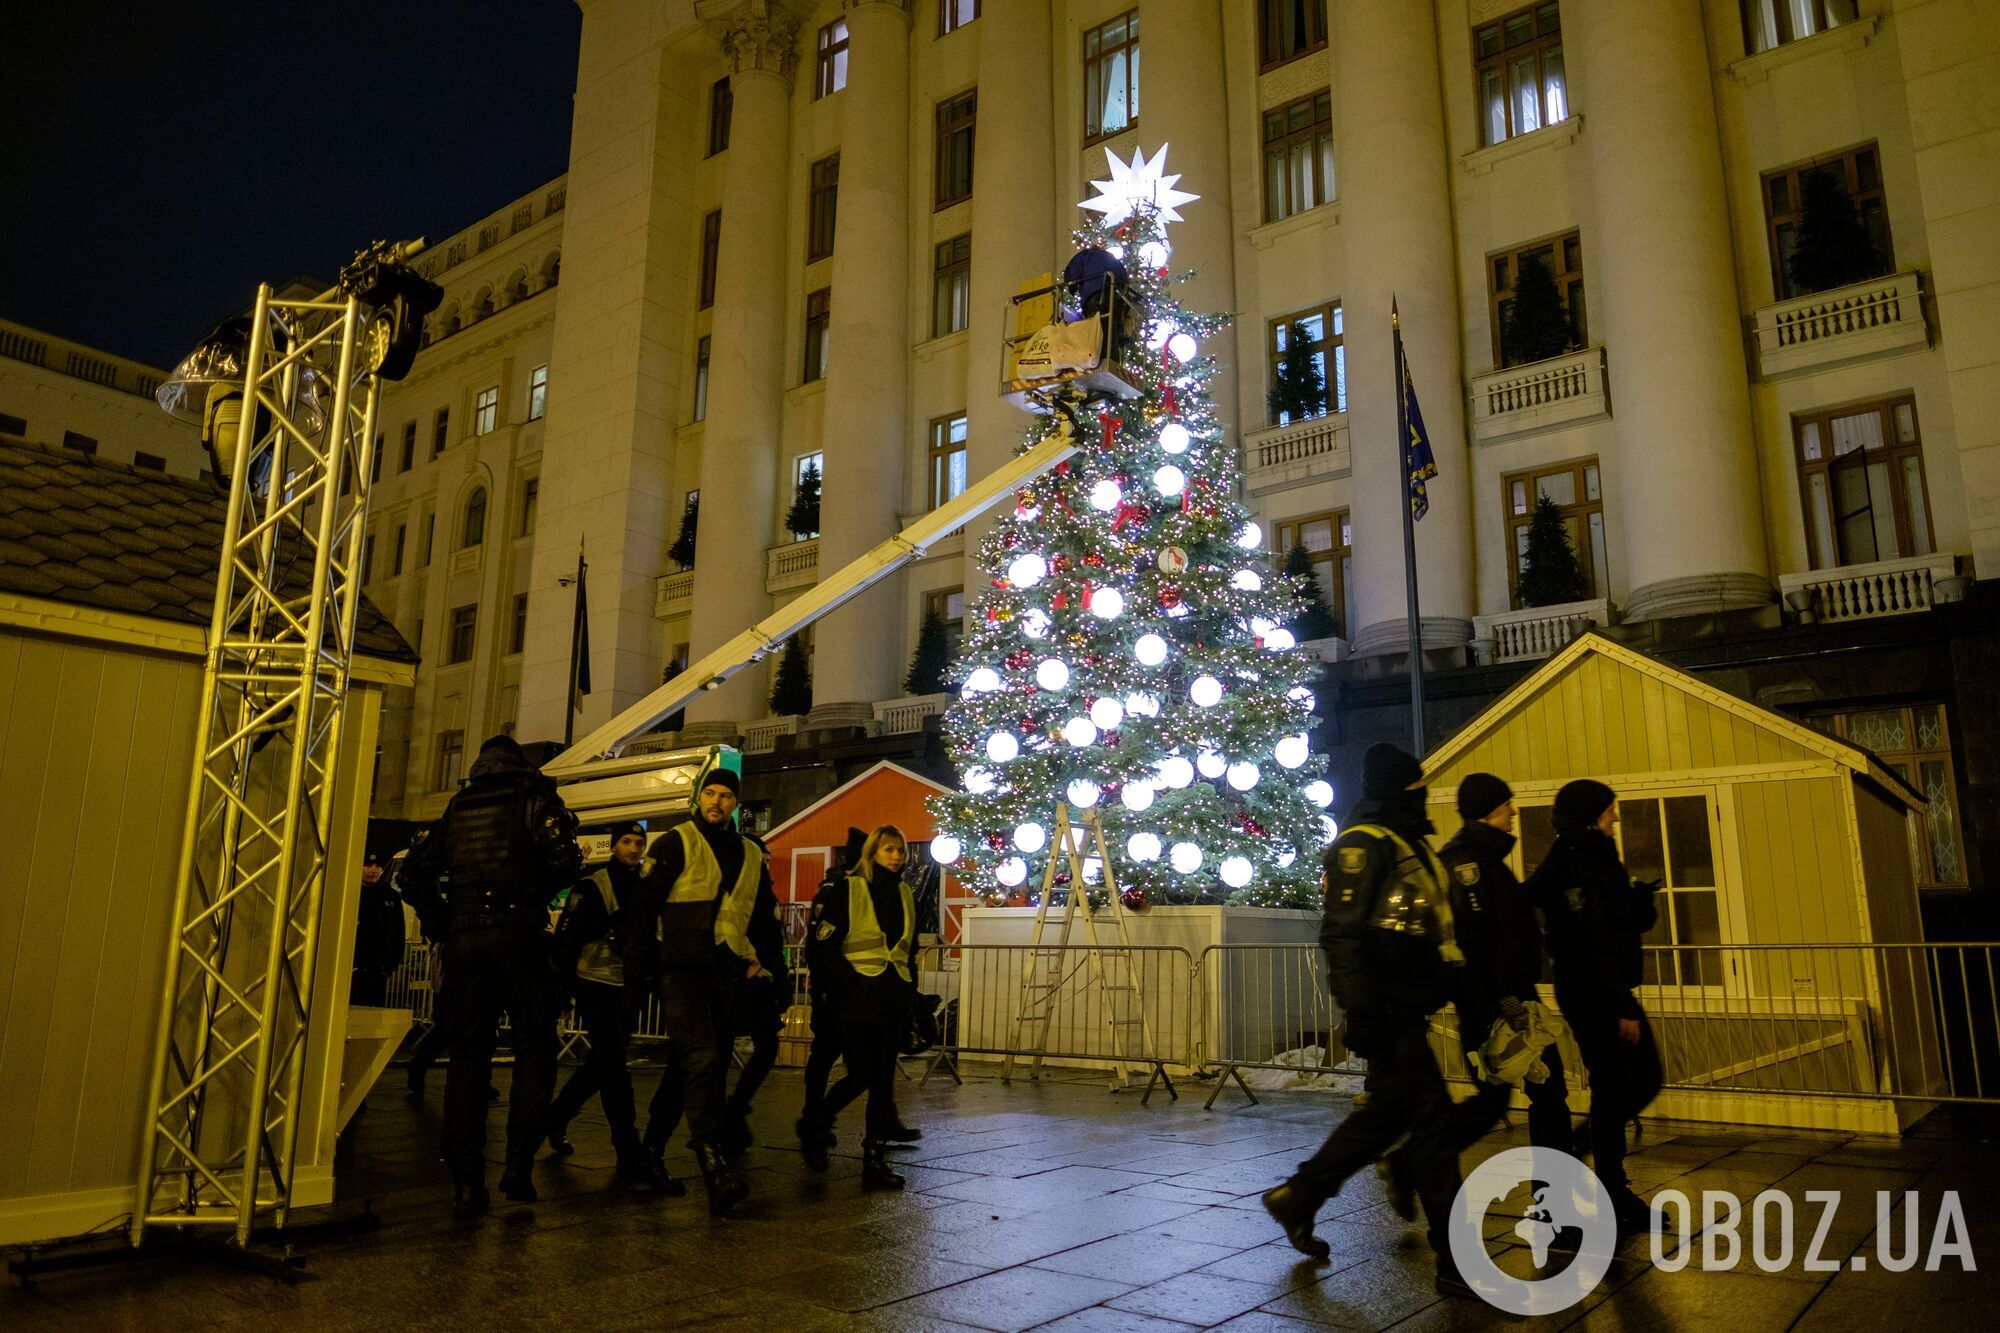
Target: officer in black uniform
507,843
1390,952
814,1130
1597,916
690,936
378,935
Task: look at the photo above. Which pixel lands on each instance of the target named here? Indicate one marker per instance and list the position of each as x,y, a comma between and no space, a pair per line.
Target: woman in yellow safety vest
872,930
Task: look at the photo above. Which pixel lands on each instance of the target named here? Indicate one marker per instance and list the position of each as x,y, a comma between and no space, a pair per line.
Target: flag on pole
579,640
1422,463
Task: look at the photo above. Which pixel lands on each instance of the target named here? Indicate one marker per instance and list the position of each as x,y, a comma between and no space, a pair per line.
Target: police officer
590,945
378,935
1390,952
815,1131
691,937
507,843
1597,915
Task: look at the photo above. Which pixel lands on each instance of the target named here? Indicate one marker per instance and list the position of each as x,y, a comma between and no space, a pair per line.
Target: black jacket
1596,918
584,918
885,997
1495,921
650,917
378,930
503,847
1382,974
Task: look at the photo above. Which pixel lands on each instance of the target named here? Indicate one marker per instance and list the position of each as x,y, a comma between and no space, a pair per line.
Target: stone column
1013,225
1182,104
1395,230
858,649
1681,484
739,444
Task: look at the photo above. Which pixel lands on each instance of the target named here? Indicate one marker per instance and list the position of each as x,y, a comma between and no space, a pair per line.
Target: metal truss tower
224,1104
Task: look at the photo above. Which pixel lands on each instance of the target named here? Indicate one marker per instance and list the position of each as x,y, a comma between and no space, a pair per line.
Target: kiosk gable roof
887,793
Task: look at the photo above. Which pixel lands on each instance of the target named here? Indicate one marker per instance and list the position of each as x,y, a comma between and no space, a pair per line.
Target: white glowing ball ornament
1138,797
1106,494
983,680
1107,603
1107,714
1183,346
1031,838
1211,764
1080,732
1143,847
978,781
945,849
1246,580
1169,480
1320,792
1250,537
1153,255
1176,772
1140,704
1243,775
1025,571
1001,746
1174,437
1011,871
1035,623
1052,674
1235,871
1083,793
1185,858
1281,640
1206,691
1151,650
1291,751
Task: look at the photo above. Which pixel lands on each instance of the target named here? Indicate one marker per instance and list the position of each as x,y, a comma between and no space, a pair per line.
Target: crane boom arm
768,634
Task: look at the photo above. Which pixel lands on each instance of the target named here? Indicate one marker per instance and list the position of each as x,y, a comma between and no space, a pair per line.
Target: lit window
830,69
1519,336
486,411
822,207
1769,23
1298,156
1111,77
1578,495
1307,352
1329,542
818,306
951,286
955,128
538,392
1288,29
947,459
955,14
1861,471
1849,181
464,633
1518,67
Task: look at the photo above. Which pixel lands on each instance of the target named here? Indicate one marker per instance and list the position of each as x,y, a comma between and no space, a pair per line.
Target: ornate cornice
755,34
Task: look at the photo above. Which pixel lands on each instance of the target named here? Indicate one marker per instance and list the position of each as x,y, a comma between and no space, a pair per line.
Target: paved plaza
1048,1205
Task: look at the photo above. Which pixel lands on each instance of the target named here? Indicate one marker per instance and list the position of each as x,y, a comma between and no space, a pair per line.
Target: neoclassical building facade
792,228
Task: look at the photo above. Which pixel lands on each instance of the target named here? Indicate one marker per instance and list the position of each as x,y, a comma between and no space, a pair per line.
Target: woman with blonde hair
871,930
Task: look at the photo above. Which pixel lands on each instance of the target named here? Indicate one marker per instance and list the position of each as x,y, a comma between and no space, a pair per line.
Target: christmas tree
1130,654
1314,620
930,665
792,689
1300,392
1537,327
802,519
1550,574
1833,247
682,551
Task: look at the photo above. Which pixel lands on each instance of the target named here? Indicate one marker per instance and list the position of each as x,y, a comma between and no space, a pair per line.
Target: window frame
1338,556
1504,55
1870,203
440,431
1581,509
486,410
1278,329
939,451
819,314
1316,26
1098,57
711,254
939,600
402,541
531,495
955,122
472,533
1564,249
409,458
951,285
830,60
822,207
450,760
538,392
1781,23
430,539
701,363
461,639
951,16
1907,764
1280,141
1894,452
518,633
721,109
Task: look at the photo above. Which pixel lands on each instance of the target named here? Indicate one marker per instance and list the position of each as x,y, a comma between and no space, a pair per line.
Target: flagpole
576,634
1415,626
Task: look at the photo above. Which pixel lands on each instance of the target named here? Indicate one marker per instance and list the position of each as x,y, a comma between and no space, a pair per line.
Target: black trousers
601,1010
368,989
663,1114
759,1017
822,1055
1623,1082
868,1046
496,969
1548,1109
1405,1093
695,1008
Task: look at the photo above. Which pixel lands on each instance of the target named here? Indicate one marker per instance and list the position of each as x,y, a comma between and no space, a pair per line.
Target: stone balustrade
1863,592
1284,455
1543,395
761,737
673,595
1538,631
792,566
1852,323
898,716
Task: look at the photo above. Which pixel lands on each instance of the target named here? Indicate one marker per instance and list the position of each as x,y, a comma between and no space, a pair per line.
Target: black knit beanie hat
1480,794
1581,803
1386,772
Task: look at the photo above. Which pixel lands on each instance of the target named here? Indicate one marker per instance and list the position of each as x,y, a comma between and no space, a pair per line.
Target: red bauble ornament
1170,598
1060,601
1108,426
1094,560
1134,900
995,841
1062,468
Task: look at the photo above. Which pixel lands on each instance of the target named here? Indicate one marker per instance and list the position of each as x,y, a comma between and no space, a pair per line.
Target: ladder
1108,970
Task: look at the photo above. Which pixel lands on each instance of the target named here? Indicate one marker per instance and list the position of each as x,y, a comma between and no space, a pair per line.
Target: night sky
158,160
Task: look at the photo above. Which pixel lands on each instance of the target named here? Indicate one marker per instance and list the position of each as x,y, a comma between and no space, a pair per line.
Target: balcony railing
1283,455
792,566
1543,395
1863,592
897,716
673,594
1873,318
1538,631
761,737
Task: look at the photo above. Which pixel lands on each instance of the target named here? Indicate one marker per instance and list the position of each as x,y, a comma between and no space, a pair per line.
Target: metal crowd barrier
1266,1006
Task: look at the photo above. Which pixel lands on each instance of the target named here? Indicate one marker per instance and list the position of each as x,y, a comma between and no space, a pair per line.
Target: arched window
475,519
552,269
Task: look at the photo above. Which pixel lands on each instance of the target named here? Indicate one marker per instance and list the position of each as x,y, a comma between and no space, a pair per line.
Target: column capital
755,34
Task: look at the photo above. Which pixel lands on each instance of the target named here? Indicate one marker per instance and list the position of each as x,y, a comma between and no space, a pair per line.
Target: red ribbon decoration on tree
1167,400
1108,425
1128,513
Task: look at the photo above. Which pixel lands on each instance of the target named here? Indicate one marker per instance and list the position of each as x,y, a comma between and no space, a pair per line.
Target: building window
1298,156
402,535
464,632
1518,66
701,378
1861,475
711,247
1111,77
83,444
955,127
817,305
1329,540
808,470
1317,335
947,459
1288,29
474,531
1914,741
519,638
538,392
951,286
721,102
430,533
486,411
451,760
409,458
955,14
10,425
1769,23
153,462
830,69
531,495
823,206
440,431
1856,172
1670,840
948,605
1562,258
375,463
368,559
1580,498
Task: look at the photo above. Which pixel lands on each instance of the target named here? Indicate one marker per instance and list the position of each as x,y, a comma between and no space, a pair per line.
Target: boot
559,1143
1292,1210
1633,1214
413,1077
875,1172
517,1182
642,1168
903,1133
1394,1171
726,1185
815,1137
469,1199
